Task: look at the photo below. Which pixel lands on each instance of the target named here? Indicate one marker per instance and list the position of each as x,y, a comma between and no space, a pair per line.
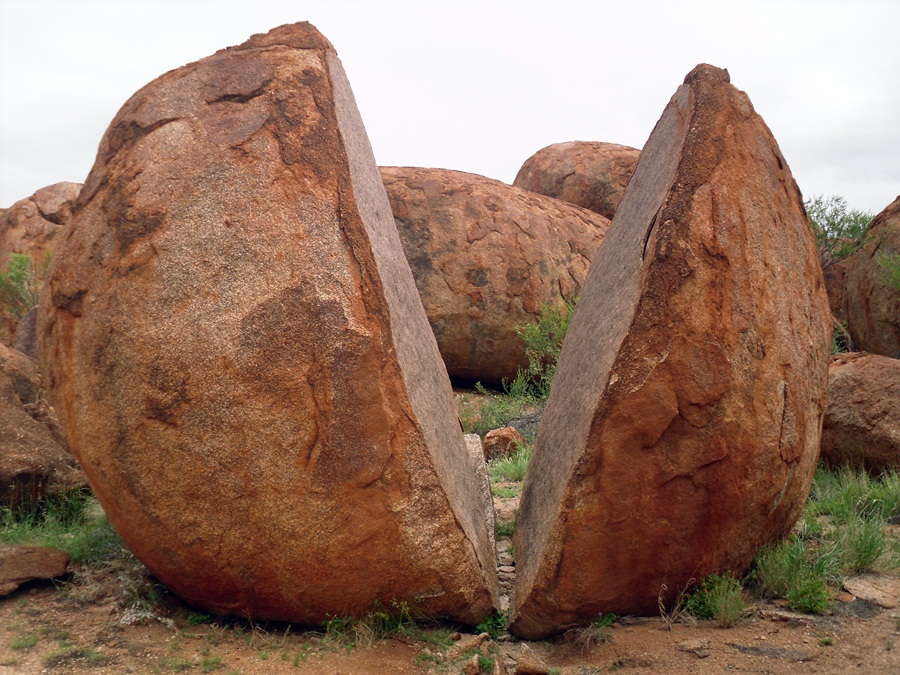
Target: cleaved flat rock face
241,360
683,427
488,257
589,174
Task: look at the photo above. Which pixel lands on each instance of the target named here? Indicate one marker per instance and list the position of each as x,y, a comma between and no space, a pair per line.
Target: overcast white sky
479,86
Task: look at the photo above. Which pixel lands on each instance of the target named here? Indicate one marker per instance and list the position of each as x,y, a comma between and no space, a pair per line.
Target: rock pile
241,360
683,427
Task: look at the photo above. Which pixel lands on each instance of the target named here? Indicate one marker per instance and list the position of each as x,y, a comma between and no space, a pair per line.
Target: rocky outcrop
683,427
862,416
487,257
35,461
21,564
873,304
588,174
241,359
32,226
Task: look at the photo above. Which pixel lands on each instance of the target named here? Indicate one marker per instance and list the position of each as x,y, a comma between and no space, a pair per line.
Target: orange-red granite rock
242,362
585,173
32,226
862,416
488,257
873,303
683,427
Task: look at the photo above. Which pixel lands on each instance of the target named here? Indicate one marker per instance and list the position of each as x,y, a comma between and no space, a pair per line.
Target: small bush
19,286
787,570
543,344
513,468
861,544
719,598
837,229
493,625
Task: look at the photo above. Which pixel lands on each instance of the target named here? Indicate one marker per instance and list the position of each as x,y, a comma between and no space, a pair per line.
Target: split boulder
585,173
488,257
683,427
241,359
873,303
862,416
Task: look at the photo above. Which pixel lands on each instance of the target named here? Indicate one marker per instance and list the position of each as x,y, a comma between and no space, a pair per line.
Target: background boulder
487,257
585,173
32,226
862,416
873,304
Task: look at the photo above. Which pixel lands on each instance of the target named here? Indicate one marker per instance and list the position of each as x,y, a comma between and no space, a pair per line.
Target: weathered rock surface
585,173
32,225
486,258
20,564
241,359
862,415
34,459
683,427
501,442
873,306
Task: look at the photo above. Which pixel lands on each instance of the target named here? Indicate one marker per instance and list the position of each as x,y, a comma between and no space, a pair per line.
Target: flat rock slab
883,590
683,427
21,564
241,360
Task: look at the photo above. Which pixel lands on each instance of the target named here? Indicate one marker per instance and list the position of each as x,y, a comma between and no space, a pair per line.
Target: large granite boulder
873,304
35,461
488,257
585,173
241,359
862,416
31,226
683,426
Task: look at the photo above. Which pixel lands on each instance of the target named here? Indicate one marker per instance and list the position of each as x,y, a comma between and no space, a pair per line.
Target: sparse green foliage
719,598
841,533
485,663
511,469
837,229
26,641
890,269
19,286
73,522
493,625
543,343
379,624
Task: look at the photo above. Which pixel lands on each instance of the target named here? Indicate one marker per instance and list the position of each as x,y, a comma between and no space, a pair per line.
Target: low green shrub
19,286
513,468
73,522
718,598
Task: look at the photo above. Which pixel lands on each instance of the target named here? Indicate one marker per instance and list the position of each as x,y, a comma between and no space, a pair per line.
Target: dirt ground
100,625
96,638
